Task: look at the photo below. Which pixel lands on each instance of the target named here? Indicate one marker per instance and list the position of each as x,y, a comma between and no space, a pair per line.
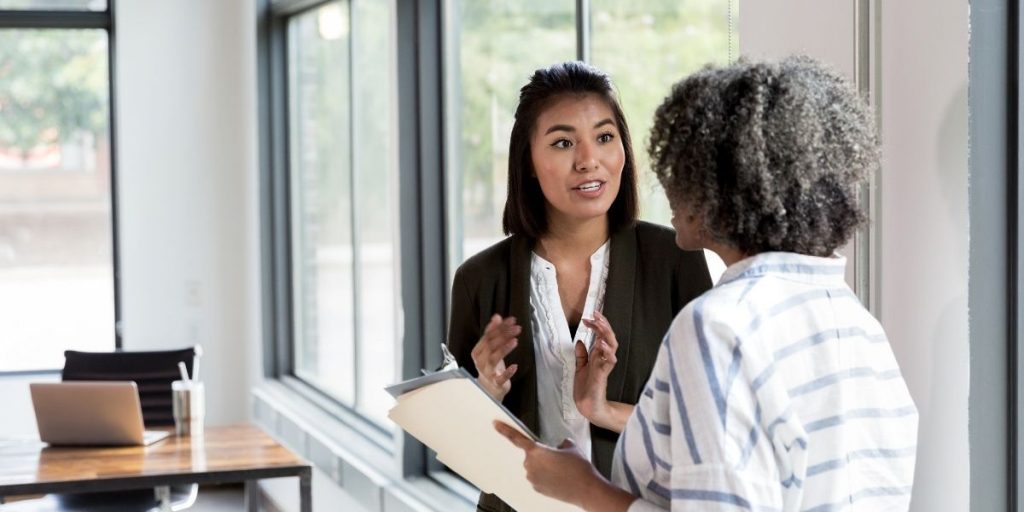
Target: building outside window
57,260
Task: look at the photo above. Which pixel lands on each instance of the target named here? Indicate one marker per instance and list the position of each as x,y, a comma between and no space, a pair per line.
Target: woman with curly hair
776,389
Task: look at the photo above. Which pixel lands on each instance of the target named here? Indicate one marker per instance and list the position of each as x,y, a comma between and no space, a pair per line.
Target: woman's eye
605,138
561,144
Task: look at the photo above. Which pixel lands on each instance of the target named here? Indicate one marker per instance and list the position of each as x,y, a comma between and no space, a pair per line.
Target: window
656,44
342,211
57,284
385,120
493,48
54,5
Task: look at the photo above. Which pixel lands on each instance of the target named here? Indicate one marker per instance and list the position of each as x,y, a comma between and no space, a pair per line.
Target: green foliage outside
53,85
645,45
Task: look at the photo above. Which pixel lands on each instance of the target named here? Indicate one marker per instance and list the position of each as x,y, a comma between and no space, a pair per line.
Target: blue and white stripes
776,390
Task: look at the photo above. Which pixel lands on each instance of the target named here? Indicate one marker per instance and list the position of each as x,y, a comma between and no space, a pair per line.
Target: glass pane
493,47
54,5
656,43
321,199
375,146
56,264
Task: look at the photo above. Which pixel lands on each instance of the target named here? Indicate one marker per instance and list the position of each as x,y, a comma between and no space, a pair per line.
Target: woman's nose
585,158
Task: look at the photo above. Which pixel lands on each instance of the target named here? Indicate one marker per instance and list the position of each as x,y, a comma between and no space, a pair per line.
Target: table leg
306,491
252,496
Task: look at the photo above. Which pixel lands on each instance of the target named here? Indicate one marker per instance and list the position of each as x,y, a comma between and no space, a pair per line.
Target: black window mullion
583,43
111,112
1015,146
421,198
268,88
994,275
58,19
280,295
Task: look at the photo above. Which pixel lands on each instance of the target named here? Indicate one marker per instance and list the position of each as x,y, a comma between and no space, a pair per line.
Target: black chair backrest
152,372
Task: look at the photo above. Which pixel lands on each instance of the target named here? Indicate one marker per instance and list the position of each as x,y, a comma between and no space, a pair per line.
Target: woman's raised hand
498,341
590,387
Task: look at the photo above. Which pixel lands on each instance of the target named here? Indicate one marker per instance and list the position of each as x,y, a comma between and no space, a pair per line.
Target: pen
184,372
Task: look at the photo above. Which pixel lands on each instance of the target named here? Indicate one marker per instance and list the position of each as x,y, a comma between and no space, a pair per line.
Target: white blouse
554,348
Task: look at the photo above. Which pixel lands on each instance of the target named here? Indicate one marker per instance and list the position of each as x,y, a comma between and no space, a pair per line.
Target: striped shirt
775,390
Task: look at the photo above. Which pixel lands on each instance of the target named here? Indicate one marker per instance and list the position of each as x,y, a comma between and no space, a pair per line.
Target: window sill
30,373
359,466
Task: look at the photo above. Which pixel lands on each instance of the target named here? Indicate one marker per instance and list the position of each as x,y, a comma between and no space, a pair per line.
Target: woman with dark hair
775,390
562,320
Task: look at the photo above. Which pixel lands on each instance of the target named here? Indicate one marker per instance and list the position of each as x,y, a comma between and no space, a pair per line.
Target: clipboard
453,415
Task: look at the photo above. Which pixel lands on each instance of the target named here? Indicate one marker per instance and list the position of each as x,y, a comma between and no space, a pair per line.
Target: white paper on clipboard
455,417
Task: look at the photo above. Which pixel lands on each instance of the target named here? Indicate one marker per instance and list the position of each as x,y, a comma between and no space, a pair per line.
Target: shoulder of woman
661,240
709,316
655,237
487,261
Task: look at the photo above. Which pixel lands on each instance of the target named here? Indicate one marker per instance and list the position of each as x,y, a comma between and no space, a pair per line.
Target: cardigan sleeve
692,278
463,325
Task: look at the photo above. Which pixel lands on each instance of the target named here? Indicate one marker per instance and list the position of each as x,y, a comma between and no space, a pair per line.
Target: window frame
84,19
996,256
421,69
276,234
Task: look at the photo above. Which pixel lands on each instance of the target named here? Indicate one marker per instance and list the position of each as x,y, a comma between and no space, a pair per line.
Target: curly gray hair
770,156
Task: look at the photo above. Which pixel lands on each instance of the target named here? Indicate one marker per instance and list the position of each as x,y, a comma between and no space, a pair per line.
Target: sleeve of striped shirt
700,426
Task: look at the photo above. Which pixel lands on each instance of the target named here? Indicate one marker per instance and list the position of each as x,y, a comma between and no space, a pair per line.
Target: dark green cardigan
649,281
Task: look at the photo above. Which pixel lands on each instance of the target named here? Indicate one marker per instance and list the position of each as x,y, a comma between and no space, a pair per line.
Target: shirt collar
799,267
597,258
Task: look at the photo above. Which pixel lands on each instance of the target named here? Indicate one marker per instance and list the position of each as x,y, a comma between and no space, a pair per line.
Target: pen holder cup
189,403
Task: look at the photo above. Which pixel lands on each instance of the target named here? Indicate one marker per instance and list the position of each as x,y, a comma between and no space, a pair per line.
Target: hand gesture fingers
489,331
604,356
502,377
494,331
602,329
581,355
514,436
498,340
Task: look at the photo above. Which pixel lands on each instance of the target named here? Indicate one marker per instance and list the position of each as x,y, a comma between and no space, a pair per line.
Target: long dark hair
525,212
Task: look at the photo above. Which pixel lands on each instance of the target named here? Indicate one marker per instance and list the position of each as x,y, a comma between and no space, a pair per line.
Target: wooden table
222,455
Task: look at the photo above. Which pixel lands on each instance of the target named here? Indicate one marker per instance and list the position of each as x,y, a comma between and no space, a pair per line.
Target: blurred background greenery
495,45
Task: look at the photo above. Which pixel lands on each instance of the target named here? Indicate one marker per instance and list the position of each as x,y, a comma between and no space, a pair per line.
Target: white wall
187,196
19,419
923,214
187,187
777,28
924,232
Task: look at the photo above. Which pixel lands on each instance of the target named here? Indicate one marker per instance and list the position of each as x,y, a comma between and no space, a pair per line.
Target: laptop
87,413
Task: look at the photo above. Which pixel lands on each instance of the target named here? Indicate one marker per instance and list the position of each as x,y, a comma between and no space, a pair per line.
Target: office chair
153,373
